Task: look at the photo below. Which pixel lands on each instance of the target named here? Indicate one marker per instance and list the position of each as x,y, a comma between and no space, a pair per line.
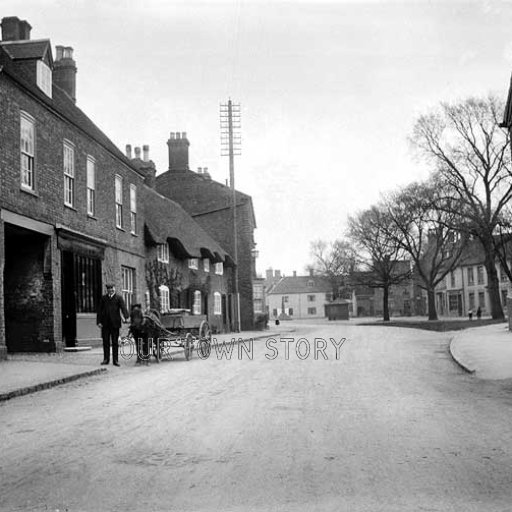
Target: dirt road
392,425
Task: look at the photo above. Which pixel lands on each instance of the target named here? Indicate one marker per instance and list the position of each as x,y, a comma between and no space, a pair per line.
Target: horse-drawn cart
181,329
158,334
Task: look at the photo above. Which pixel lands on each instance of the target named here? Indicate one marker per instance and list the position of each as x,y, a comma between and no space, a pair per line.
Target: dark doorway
81,291
68,300
28,291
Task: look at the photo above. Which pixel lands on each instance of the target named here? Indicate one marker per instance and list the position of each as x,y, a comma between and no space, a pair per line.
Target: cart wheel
157,350
205,340
205,333
188,346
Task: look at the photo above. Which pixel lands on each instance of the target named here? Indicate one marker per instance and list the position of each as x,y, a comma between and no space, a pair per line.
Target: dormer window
44,78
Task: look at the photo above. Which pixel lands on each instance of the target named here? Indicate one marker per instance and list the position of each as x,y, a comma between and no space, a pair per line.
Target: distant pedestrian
470,314
479,313
109,320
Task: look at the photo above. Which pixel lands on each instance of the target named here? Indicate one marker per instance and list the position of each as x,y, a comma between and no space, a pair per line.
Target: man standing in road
109,321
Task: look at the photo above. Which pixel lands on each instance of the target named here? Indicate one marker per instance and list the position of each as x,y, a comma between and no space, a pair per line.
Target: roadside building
297,297
185,267
68,202
465,287
210,204
76,213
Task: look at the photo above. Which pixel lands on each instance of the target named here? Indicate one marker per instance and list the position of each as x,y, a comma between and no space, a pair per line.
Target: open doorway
28,291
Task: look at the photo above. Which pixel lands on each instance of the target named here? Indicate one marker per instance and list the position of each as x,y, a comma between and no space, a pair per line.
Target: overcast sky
329,91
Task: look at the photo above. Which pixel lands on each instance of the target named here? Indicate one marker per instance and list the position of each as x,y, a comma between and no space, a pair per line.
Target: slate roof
166,220
299,284
28,49
60,103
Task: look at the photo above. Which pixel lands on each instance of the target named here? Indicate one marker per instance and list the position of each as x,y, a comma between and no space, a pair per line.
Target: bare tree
335,261
422,219
470,152
381,255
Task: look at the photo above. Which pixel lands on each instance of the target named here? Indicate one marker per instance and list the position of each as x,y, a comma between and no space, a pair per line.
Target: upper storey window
27,144
44,78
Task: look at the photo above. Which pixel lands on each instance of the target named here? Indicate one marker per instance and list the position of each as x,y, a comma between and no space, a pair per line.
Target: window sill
92,217
133,234
70,207
29,191
121,229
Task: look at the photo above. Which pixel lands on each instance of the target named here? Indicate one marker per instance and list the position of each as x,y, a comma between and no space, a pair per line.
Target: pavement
25,373
484,351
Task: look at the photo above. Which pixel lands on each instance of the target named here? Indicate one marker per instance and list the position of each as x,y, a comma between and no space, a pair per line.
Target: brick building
209,203
68,199
72,212
185,267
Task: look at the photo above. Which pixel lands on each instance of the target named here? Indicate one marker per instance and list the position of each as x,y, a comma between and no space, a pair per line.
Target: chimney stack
14,29
277,274
294,273
178,152
144,165
64,71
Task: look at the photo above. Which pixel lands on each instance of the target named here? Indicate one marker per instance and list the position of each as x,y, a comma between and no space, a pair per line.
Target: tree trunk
431,300
385,303
493,284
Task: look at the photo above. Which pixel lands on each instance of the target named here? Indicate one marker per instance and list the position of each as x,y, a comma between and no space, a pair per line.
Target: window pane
119,189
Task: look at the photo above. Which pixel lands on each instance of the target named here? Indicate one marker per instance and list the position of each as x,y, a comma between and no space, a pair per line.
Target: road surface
392,424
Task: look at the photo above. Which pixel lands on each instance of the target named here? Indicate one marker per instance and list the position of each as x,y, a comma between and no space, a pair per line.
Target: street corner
484,351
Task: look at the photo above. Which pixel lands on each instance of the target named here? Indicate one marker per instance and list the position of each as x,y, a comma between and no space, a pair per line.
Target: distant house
299,297
465,288
405,298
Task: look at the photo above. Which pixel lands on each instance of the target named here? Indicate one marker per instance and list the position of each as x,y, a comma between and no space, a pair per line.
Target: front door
68,299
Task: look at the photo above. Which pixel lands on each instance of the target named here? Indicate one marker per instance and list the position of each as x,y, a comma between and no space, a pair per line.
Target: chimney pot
294,273
129,151
64,70
145,152
183,135
137,153
13,29
178,135
25,30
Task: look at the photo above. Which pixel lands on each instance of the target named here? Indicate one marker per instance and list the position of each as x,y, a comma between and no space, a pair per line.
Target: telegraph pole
230,141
